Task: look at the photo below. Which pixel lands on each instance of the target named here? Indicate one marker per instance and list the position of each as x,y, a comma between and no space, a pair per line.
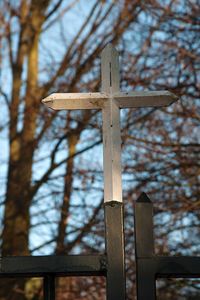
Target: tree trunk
16,223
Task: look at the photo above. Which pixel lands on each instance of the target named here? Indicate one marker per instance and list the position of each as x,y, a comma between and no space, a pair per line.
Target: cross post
110,100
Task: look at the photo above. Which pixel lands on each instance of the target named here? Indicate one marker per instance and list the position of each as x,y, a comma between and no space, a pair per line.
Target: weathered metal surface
70,265
114,231
110,100
144,99
74,101
49,287
144,246
150,267
172,266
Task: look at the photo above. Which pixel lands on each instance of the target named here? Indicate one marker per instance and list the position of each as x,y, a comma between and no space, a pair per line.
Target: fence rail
149,267
111,265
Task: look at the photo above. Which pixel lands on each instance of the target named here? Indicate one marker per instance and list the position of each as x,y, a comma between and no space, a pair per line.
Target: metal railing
150,267
111,265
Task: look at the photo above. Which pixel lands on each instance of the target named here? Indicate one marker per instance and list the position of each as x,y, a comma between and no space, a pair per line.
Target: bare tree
51,181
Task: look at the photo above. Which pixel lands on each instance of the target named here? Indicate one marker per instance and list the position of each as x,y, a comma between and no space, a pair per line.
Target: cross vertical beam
111,126
114,220
110,81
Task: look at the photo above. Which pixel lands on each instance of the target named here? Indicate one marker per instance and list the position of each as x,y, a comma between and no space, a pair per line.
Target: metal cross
110,100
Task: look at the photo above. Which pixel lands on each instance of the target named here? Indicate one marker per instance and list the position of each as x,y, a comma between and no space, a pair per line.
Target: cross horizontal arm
59,101
144,99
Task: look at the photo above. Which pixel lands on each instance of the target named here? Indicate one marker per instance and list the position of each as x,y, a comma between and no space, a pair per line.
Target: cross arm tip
173,97
48,101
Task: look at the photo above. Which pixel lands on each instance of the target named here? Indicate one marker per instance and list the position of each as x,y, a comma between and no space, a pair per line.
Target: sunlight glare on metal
110,100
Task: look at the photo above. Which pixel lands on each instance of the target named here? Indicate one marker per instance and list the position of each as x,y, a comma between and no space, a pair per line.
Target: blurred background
51,170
